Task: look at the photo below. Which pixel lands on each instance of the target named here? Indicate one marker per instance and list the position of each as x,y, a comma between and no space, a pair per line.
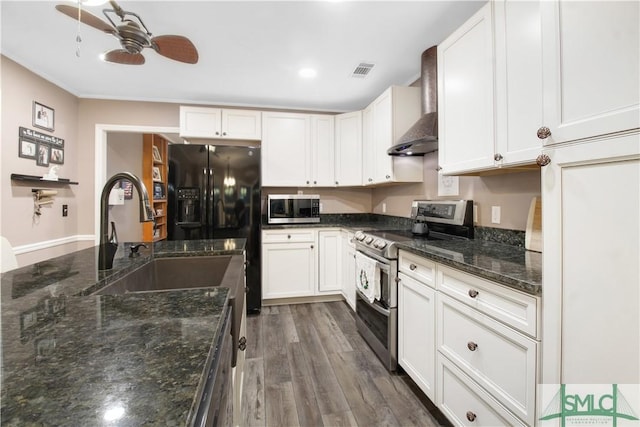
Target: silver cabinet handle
217,133
337,183
224,134
315,182
471,416
543,160
412,267
388,176
498,157
473,293
311,246
472,346
288,236
439,168
370,179
307,182
544,132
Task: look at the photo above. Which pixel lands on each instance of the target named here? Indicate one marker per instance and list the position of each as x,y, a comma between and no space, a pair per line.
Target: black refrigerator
214,193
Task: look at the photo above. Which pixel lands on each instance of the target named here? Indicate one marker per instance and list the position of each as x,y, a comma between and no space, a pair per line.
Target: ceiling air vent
361,70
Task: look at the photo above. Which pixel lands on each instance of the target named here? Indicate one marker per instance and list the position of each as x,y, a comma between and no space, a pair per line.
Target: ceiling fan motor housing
132,38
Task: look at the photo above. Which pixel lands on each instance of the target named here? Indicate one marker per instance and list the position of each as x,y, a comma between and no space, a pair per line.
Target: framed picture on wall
43,116
27,149
156,155
44,152
57,156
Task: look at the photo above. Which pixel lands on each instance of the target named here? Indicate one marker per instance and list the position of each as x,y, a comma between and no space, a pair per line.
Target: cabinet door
286,149
591,316
242,124
348,149
382,137
465,96
289,270
329,261
518,50
322,151
416,333
367,146
200,122
349,269
591,62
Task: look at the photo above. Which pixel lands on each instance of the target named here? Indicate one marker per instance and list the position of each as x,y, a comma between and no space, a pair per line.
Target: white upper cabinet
392,114
465,96
286,149
297,150
518,72
348,149
322,151
592,68
217,123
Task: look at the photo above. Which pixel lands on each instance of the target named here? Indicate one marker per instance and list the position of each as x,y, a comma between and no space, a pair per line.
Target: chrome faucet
108,247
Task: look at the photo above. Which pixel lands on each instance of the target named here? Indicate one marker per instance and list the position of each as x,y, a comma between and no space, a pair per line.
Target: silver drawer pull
471,416
472,346
412,267
473,293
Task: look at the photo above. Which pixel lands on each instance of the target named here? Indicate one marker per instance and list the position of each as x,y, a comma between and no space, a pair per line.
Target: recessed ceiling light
307,73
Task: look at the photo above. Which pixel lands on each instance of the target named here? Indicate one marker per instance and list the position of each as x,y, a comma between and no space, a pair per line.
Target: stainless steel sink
181,273
165,274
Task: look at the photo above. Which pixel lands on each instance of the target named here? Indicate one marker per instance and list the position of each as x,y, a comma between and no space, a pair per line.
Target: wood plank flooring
308,366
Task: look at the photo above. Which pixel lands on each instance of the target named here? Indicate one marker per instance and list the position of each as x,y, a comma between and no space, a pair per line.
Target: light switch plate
495,214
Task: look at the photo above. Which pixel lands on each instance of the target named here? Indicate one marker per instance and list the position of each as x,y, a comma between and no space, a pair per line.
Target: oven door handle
376,307
384,267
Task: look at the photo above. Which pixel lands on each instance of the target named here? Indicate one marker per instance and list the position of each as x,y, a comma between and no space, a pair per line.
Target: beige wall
512,192
124,153
19,88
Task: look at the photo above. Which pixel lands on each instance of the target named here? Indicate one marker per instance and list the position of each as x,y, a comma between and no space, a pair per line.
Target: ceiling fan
133,36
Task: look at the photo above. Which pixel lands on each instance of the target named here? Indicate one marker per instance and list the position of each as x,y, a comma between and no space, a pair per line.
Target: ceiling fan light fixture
93,2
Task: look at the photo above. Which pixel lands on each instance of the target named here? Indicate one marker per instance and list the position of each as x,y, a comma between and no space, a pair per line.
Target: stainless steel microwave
293,209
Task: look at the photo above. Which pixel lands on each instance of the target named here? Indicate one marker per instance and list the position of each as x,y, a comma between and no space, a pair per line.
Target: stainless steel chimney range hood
422,137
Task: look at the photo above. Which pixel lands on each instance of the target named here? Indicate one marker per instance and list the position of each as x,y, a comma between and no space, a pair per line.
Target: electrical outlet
495,214
65,210
475,213
320,207
384,208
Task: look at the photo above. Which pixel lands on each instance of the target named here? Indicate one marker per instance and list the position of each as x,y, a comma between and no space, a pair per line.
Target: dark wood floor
308,366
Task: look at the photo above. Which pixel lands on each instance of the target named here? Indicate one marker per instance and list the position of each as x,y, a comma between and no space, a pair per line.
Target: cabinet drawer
498,358
289,235
420,268
465,403
516,309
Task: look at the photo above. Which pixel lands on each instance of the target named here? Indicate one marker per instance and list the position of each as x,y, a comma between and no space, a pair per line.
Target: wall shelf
34,178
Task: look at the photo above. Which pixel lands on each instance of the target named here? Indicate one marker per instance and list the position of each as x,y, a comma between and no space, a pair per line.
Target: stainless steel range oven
377,315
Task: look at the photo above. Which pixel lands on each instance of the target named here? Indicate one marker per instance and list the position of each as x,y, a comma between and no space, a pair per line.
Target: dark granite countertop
506,264
74,360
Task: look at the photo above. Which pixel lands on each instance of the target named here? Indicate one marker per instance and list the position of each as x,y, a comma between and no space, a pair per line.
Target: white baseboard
46,244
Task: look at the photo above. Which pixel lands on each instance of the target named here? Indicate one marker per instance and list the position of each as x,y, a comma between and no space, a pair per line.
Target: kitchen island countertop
133,359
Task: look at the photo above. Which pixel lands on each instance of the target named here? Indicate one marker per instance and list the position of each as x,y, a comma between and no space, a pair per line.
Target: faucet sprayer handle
114,236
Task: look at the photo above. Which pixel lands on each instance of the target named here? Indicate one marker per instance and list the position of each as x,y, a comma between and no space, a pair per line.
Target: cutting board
533,234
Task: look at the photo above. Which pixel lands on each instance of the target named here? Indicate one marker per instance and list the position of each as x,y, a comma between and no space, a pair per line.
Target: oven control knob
379,244
368,240
359,235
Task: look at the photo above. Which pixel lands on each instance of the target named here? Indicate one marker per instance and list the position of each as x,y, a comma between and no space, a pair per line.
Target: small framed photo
43,116
156,174
27,149
158,191
156,155
57,156
44,152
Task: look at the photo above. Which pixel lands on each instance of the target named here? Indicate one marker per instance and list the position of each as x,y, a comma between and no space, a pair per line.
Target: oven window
376,322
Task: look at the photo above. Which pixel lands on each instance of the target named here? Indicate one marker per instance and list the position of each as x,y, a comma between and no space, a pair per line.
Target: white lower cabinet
289,266
501,360
464,402
349,269
301,262
470,344
416,332
329,261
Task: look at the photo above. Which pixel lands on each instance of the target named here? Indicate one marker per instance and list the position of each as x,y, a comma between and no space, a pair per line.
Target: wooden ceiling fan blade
121,56
178,48
85,17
